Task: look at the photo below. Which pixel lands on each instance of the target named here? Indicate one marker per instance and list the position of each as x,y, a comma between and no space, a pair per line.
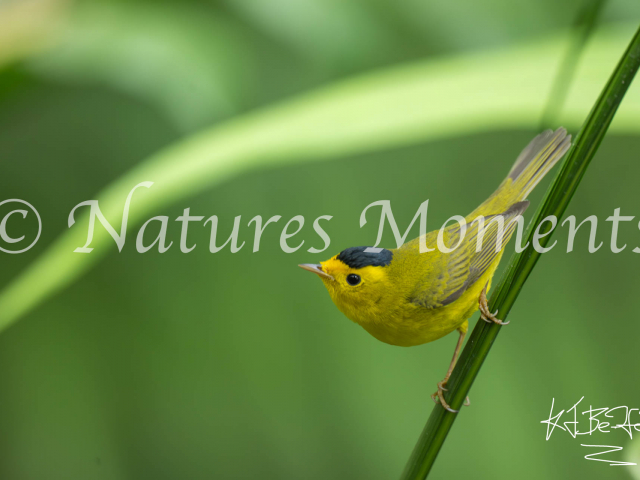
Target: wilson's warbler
404,297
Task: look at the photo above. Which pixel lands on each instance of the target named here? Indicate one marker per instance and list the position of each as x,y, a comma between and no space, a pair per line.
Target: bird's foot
485,314
438,397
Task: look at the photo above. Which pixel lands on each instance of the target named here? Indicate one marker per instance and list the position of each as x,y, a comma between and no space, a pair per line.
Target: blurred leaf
191,61
29,26
632,455
338,35
414,103
469,24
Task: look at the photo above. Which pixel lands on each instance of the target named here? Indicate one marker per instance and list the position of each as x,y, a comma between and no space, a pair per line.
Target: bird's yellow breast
386,306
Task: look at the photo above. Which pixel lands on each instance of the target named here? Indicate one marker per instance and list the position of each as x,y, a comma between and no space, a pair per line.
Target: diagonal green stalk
504,296
584,25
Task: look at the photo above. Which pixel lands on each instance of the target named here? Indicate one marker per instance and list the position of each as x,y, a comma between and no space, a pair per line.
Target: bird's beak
315,268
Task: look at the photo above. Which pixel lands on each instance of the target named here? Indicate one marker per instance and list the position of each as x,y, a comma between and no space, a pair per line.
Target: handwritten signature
602,420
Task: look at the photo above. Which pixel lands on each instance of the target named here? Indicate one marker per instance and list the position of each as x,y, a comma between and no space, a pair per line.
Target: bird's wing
466,264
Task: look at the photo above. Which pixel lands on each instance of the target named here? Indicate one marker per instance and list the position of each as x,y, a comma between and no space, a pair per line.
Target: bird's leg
485,314
438,397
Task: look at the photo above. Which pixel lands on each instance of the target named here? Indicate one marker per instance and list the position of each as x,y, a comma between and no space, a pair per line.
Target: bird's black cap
357,257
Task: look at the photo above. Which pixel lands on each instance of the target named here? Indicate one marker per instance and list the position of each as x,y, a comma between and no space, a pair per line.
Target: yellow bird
406,298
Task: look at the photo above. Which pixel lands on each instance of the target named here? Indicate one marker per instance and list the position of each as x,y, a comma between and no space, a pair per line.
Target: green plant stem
504,295
582,29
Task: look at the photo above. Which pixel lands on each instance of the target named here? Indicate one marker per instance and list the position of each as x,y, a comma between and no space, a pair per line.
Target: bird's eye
353,279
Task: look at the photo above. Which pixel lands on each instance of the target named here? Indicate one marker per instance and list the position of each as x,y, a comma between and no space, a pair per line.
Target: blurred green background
198,366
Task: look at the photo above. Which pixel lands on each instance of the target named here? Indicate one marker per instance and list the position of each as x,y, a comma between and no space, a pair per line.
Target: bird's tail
535,161
542,153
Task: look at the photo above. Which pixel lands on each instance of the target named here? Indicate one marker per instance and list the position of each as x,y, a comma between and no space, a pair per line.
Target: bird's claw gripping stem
438,397
488,317
485,314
